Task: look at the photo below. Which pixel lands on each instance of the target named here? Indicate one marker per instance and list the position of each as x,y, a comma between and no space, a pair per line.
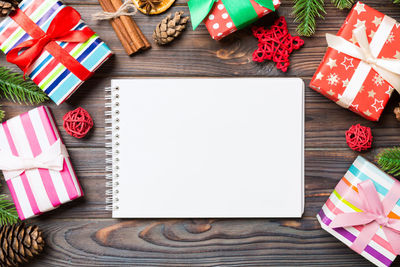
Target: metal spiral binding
112,142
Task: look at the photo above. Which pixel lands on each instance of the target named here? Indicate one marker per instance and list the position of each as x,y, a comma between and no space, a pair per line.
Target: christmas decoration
77,123
120,16
359,138
306,12
363,214
389,160
276,44
170,28
7,6
343,4
149,5
153,7
15,88
58,69
32,152
361,77
20,244
224,18
8,213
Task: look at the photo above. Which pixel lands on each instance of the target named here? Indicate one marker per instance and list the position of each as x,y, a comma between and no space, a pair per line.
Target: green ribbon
241,12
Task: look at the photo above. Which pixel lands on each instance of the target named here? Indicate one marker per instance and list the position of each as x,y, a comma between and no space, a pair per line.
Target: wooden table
82,233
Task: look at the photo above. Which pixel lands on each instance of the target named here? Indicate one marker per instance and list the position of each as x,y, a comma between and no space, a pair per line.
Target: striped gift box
378,250
36,191
47,72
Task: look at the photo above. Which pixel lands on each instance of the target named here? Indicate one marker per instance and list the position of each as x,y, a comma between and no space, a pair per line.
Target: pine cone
170,28
19,244
7,6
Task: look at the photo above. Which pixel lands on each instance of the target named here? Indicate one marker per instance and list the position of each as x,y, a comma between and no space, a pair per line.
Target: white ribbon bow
51,159
388,69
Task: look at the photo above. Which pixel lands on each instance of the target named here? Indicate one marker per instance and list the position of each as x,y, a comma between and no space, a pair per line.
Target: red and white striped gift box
39,190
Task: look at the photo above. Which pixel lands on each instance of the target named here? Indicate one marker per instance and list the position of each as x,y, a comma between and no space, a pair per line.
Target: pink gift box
36,191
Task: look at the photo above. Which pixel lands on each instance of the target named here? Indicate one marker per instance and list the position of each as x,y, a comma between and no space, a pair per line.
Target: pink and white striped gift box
36,191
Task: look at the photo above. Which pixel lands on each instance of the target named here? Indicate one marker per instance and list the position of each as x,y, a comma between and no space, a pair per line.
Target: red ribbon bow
374,215
60,29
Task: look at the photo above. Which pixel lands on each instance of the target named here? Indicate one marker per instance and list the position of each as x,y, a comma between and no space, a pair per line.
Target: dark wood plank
82,233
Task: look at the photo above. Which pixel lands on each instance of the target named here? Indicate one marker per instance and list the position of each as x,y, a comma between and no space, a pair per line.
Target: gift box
224,17
363,212
52,45
35,163
361,66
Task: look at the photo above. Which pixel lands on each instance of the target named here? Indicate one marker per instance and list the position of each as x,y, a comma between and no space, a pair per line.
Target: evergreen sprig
2,115
389,160
15,88
396,1
8,213
344,4
306,12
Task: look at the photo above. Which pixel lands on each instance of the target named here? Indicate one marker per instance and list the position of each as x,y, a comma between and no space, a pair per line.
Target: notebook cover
206,148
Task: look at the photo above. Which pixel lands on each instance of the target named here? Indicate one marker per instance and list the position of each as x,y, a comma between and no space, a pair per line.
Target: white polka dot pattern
219,23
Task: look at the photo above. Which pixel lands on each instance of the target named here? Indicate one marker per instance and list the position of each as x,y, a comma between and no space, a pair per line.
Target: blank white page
210,148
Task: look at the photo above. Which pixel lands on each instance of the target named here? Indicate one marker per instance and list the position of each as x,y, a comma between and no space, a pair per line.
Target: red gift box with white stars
338,69
219,23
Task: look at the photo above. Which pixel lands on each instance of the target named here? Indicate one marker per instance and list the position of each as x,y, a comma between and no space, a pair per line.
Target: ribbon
388,69
123,10
241,12
25,54
374,215
51,159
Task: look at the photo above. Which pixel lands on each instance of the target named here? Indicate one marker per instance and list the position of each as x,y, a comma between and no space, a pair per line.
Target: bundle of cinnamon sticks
128,32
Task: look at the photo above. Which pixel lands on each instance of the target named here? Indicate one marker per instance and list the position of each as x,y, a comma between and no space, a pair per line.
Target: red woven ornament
359,138
77,123
276,44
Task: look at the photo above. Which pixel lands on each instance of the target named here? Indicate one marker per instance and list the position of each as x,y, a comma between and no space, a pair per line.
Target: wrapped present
35,163
223,17
362,64
364,212
52,45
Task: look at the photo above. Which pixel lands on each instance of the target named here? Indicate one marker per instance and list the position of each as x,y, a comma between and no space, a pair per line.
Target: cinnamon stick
118,27
131,37
135,33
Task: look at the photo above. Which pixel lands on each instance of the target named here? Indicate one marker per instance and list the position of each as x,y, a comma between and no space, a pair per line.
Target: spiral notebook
195,148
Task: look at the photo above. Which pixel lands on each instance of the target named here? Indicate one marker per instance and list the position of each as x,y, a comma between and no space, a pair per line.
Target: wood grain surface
82,233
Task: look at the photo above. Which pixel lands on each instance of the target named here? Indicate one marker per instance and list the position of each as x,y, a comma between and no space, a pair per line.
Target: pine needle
15,88
2,115
8,213
306,12
389,160
345,4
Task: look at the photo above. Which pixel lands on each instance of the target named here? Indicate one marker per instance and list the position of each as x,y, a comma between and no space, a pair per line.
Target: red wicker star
275,44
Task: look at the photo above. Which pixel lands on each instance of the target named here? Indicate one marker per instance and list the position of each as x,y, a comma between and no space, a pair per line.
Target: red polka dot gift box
223,17
361,67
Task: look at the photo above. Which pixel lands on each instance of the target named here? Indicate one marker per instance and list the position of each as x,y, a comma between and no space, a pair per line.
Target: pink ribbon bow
374,215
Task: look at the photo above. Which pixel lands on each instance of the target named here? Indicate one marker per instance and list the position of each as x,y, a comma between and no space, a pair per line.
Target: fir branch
306,12
344,4
389,160
396,2
8,213
15,88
